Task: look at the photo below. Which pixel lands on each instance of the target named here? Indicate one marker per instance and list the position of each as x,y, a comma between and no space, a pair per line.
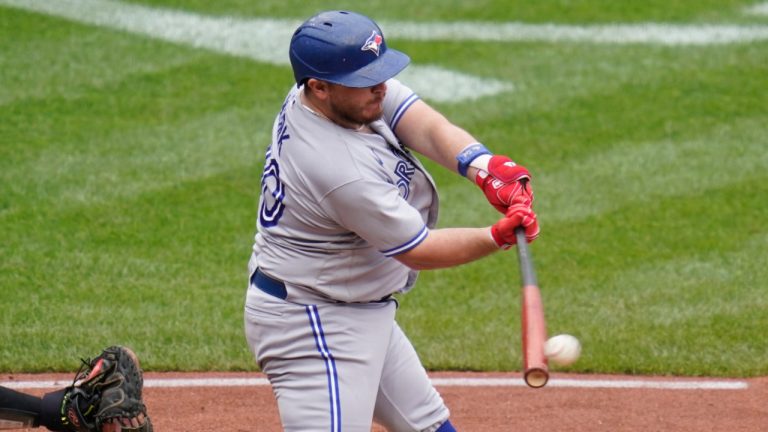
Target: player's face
356,106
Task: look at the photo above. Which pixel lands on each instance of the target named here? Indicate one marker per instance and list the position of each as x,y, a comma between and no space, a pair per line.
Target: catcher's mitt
105,395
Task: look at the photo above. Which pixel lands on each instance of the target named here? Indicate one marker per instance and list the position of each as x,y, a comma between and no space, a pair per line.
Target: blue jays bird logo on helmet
372,43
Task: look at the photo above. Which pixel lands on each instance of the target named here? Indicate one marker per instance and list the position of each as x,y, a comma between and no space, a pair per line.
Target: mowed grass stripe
147,131
682,313
264,40
170,265
632,173
137,161
45,58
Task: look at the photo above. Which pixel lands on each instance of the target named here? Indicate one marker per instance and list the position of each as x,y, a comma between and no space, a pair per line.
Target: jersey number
272,194
272,189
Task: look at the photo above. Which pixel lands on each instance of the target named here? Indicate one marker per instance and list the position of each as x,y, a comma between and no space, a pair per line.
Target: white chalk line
653,384
617,34
758,9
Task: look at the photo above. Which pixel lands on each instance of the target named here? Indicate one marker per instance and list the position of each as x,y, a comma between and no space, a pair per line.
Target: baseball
562,349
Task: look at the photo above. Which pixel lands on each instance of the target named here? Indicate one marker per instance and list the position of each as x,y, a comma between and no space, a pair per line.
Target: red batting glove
505,183
503,231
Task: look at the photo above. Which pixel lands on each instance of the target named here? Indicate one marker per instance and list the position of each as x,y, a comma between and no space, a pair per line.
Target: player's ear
318,88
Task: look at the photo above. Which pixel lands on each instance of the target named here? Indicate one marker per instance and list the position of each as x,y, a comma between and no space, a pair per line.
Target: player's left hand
505,183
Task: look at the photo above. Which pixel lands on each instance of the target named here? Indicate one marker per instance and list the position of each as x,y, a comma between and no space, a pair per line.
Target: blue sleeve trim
401,110
410,244
468,155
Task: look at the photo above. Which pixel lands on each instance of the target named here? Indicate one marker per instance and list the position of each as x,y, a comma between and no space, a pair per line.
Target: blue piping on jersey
401,110
330,367
410,244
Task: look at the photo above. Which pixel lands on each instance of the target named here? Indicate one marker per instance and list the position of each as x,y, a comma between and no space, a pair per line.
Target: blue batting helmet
344,48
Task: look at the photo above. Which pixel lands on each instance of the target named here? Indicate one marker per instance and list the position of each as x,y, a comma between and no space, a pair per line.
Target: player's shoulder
399,98
320,153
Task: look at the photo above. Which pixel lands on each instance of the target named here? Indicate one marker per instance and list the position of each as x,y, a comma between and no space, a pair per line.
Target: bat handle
520,236
524,256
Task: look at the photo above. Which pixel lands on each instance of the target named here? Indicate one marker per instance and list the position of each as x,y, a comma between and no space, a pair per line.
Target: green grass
129,173
565,11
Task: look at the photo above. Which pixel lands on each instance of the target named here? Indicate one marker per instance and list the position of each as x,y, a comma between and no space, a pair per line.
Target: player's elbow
416,266
415,260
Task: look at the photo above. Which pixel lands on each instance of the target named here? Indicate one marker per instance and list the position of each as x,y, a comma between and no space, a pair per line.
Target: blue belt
269,285
276,287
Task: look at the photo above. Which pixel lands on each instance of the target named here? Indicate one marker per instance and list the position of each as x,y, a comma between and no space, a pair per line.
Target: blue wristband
468,155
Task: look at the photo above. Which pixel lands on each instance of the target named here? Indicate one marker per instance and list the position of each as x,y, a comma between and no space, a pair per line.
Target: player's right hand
518,214
505,183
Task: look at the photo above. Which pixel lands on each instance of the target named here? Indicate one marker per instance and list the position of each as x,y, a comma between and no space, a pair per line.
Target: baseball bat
534,327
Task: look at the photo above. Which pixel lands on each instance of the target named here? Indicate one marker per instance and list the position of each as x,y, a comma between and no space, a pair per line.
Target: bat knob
536,378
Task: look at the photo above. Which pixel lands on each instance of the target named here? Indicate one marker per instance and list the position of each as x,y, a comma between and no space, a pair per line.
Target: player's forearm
446,141
429,133
449,247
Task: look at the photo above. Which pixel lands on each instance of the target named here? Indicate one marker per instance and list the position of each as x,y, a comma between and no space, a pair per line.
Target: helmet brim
390,63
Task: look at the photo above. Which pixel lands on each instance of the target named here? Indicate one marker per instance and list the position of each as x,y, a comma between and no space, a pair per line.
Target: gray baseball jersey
336,204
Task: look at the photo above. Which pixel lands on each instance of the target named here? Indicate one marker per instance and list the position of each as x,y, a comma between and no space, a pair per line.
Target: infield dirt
475,408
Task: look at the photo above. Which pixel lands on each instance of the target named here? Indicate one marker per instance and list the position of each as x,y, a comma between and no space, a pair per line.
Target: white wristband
481,162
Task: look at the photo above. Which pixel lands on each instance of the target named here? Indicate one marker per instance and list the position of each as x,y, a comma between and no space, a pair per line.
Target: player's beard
357,115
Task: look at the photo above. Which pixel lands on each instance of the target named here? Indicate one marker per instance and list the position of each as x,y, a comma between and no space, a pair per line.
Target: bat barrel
534,335
535,369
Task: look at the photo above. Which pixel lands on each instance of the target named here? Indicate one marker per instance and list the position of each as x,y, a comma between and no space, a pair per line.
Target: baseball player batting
347,218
